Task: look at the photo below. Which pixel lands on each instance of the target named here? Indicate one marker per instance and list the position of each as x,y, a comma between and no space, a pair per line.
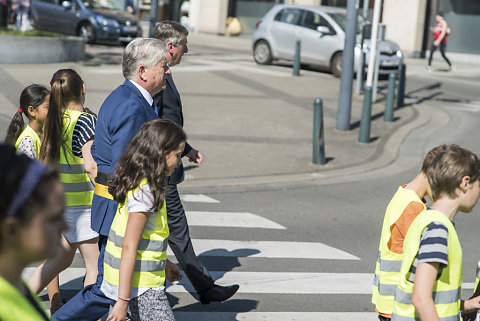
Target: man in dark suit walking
170,107
119,119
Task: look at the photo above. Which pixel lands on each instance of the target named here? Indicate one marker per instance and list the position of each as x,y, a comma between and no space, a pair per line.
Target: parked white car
321,30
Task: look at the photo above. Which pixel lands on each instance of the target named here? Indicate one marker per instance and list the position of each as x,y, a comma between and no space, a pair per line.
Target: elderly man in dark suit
119,119
170,107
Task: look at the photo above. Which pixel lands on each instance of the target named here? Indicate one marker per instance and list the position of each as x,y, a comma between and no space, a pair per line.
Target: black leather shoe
218,293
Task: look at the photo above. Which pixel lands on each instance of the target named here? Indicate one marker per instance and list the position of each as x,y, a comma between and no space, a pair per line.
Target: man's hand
172,272
472,304
194,156
436,43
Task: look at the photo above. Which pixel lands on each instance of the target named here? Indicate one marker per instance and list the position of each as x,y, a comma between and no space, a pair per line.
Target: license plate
389,62
130,28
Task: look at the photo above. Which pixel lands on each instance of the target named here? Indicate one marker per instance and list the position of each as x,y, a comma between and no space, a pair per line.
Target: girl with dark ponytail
68,138
27,139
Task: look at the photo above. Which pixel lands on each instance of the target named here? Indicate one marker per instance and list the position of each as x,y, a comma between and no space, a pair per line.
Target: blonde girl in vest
31,222
68,137
34,101
136,264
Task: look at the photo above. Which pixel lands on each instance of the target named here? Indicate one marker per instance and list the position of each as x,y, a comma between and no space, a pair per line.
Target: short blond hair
448,168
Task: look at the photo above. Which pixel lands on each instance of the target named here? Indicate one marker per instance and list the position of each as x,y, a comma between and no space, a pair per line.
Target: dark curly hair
145,157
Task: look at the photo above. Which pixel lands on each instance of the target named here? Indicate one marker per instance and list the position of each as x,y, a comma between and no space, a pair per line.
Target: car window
48,1
312,20
341,20
103,4
291,16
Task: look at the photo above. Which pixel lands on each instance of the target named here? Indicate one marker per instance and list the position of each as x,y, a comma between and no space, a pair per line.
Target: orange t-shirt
400,228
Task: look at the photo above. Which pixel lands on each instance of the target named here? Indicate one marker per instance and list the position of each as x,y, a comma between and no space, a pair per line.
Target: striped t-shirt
433,248
84,131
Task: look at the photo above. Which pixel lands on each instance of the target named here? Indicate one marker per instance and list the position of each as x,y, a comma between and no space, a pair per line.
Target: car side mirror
67,5
324,30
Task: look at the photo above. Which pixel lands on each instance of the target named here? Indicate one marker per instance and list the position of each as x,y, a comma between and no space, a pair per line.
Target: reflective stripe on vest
151,255
387,269
15,306
77,184
447,288
29,132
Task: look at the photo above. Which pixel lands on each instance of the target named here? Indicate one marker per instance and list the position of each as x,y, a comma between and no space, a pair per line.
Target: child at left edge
135,263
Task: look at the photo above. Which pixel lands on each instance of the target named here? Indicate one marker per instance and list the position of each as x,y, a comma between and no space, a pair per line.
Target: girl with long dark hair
136,264
68,137
34,101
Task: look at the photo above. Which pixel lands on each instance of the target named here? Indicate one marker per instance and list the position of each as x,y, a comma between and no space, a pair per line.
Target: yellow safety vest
77,184
477,278
447,288
387,269
151,257
29,132
15,306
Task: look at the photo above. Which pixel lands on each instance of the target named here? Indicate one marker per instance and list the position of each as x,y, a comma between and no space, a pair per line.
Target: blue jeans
90,303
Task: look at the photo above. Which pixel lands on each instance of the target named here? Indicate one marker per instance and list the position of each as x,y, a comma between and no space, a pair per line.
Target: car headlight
399,54
104,21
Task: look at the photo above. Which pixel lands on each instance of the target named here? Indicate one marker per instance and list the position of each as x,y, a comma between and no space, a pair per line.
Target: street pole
365,8
364,135
346,81
153,16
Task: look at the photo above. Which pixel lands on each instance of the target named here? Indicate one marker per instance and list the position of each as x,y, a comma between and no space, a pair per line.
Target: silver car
321,31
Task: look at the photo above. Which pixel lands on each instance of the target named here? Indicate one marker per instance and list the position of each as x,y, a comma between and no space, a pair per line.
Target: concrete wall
405,21
25,50
208,16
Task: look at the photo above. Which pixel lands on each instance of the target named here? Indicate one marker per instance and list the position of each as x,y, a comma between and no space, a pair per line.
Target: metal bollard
388,114
318,138
401,86
364,134
296,59
362,73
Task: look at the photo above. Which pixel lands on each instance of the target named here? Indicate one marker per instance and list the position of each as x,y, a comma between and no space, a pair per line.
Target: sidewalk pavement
252,123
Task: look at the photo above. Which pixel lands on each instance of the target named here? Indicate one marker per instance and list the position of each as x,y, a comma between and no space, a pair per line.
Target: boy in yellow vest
431,272
403,208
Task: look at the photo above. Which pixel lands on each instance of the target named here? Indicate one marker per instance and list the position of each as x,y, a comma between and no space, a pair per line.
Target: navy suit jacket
119,119
170,107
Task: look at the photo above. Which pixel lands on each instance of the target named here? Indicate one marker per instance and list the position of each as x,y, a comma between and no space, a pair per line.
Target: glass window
312,20
291,16
341,20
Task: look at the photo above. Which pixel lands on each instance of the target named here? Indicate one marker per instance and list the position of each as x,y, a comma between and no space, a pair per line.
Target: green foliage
28,33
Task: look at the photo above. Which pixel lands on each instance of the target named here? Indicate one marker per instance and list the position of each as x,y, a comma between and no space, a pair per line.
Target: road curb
386,153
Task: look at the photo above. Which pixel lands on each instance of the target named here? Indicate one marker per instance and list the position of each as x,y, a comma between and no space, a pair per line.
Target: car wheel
262,53
336,65
87,32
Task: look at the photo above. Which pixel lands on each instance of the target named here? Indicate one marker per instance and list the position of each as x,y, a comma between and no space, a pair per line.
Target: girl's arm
425,276
443,34
135,225
90,165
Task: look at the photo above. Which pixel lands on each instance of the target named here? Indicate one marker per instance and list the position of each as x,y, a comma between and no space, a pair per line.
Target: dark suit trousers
181,244
90,304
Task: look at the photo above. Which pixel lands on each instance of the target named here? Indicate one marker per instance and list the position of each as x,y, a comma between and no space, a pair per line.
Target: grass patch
28,33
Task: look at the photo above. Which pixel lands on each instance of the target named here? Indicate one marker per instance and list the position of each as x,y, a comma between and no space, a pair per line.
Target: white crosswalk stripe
198,198
275,316
268,249
230,219
264,282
